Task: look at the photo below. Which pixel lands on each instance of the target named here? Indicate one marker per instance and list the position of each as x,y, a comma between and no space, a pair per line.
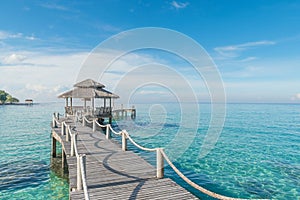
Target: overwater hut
28,101
89,90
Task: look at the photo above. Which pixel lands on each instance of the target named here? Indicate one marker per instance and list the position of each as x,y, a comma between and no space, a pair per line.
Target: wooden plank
112,173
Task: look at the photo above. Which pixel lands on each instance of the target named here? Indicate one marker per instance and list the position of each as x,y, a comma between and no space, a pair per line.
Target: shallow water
256,156
25,154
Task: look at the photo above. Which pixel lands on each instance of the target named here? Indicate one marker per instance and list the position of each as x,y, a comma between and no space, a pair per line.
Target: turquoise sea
256,156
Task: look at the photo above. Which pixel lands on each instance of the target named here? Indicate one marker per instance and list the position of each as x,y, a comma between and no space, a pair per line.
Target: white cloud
30,37
233,51
296,97
54,6
179,5
3,35
152,92
8,35
36,87
13,59
261,91
44,77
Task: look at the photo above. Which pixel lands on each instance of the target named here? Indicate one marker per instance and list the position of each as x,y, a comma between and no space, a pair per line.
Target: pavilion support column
110,111
93,105
66,106
110,105
71,105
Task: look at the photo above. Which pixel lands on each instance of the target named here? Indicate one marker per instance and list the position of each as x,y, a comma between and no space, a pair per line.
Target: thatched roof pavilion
88,90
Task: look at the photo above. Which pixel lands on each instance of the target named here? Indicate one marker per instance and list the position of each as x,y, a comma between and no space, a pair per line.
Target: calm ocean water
25,154
256,156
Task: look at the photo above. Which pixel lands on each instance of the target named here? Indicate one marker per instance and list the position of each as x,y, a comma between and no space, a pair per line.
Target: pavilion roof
89,83
88,89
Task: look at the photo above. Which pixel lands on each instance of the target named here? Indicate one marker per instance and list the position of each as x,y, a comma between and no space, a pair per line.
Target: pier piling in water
53,151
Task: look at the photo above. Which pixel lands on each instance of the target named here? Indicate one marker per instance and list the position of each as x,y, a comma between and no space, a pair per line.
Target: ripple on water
25,154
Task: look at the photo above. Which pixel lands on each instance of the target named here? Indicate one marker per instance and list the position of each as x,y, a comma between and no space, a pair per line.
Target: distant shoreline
18,104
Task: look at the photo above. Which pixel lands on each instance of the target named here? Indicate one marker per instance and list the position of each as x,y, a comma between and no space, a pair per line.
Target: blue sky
255,43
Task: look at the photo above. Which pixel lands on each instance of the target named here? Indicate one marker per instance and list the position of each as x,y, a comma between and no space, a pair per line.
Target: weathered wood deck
112,173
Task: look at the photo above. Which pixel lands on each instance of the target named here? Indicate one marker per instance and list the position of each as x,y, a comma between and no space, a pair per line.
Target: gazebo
89,90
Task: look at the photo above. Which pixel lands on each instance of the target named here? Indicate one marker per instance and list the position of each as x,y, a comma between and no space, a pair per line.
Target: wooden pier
100,168
110,172
124,112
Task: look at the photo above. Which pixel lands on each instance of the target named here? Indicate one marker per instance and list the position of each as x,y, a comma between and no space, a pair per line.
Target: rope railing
88,121
100,125
81,159
160,157
113,131
135,144
191,183
81,163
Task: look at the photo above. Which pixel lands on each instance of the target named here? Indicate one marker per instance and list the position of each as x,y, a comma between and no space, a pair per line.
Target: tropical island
6,98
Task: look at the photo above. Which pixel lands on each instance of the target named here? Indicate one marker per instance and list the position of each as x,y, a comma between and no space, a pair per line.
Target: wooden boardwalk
112,173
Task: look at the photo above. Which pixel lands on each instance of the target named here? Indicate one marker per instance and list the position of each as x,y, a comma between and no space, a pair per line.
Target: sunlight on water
25,154
257,155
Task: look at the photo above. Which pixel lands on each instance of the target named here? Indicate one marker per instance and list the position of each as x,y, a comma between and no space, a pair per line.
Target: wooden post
67,133
63,159
79,177
133,113
94,125
107,131
53,147
54,125
110,109
63,128
93,105
83,121
73,139
124,142
159,163
83,160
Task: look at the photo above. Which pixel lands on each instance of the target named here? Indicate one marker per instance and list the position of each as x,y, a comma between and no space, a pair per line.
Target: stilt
63,160
110,119
53,153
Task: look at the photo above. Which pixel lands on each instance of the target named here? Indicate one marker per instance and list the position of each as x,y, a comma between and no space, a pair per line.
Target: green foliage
7,98
14,100
3,96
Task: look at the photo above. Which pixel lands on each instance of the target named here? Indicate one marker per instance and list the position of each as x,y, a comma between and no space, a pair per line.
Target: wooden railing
160,156
81,158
